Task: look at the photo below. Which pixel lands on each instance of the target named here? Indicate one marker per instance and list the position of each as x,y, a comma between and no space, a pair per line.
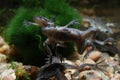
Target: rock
3,58
1,41
7,73
4,47
116,76
89,61
78,62
68,76
90,75
95,55
9,77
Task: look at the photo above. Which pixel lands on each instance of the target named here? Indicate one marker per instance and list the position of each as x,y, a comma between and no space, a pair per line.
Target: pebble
95,55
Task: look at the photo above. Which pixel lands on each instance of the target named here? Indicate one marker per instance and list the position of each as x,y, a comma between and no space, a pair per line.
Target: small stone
1,41
8,74
68,76
78,62
3,58
90,75
4,49
89,61
95,55
9,77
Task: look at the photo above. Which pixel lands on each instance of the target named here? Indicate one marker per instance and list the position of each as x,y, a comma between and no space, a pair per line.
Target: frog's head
42,21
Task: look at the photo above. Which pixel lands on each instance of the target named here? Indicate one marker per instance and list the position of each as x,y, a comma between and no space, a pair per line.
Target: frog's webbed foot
73,22
110,40
101,65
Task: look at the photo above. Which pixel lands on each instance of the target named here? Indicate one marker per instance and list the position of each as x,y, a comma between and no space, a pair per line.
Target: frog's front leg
27,23
73,22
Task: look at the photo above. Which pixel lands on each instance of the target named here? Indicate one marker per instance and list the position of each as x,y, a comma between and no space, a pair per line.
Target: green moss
63,11
25,38
16,29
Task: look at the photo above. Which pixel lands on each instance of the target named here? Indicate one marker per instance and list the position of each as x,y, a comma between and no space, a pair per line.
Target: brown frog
62,34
